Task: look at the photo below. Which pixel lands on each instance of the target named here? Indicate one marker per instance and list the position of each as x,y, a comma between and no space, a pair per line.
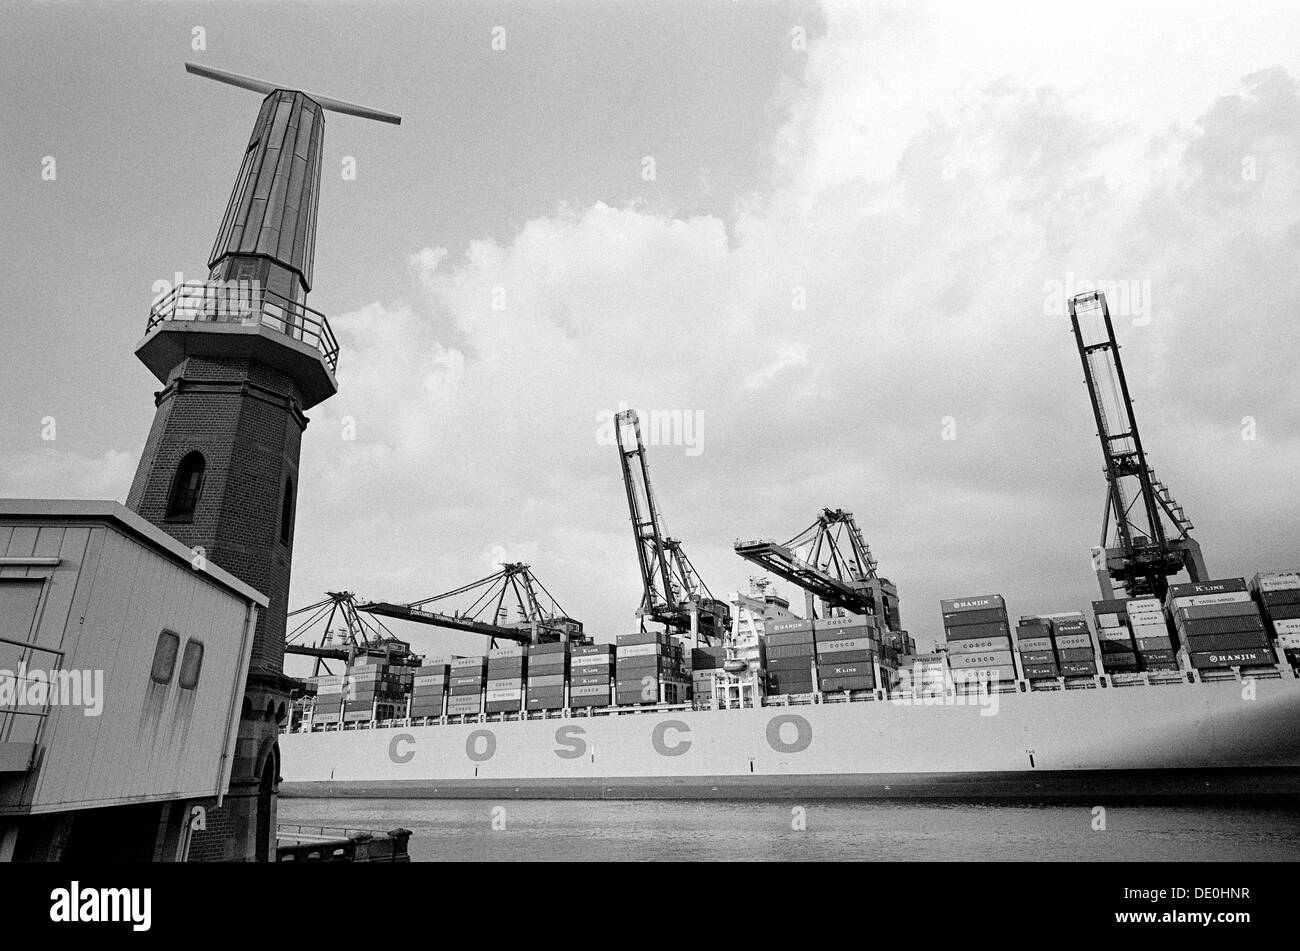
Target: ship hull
1180,741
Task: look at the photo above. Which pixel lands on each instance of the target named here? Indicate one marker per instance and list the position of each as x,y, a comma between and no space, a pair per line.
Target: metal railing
247,303
28,731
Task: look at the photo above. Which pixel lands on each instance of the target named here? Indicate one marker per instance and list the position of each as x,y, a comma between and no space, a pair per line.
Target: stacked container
791,654
465,691
329,699
979,639
591,674
505,679
847,650
1278,595
1075,654
1037,649
707,667
1151,639
429,687
374,691
1218,625
1114,637
548,667
648,669
924,675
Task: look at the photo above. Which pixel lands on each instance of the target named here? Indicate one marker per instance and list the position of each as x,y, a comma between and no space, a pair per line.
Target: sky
834,239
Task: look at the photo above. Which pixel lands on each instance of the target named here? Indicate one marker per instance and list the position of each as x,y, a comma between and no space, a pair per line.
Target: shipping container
641,637
984,659
981,602
785,626
1078,668
1251,657
1221,586
505,683
1041,671
589,690
789,639
1038,658
1034,643
591,650
545,680
1222,625
837,684
954,619
1073,641
1000,629
1231,609
1202,600
833,671
1227,642
839,645
976,645
969,675
1112,647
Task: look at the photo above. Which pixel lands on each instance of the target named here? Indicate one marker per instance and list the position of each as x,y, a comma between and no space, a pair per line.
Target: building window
187,486
191,664
286,511
164,657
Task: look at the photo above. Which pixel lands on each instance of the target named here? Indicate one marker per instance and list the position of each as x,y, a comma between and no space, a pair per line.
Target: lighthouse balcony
242,319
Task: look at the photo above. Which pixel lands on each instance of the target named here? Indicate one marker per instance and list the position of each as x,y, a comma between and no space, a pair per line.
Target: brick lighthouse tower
241,358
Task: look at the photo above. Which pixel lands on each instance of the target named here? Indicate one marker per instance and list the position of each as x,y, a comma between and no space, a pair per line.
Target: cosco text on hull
786,733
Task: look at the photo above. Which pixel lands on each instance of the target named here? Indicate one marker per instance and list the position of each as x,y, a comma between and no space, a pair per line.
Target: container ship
1162,689
839,708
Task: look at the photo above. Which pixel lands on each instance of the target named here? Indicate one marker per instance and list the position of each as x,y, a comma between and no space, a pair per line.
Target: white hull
1172,740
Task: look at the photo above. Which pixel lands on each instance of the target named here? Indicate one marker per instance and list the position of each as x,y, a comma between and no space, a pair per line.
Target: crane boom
537,621
672,592
1138,552
830,561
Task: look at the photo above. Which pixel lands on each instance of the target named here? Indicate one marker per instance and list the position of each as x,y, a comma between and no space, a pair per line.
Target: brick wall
245,419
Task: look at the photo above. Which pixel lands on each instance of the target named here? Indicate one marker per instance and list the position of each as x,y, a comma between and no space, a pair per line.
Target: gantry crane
1138,553
355,636
673,594
513,587
830,561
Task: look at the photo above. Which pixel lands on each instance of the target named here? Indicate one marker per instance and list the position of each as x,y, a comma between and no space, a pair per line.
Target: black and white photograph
646,432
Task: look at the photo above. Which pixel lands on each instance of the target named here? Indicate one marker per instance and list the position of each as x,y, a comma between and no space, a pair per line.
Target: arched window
286,511
187,486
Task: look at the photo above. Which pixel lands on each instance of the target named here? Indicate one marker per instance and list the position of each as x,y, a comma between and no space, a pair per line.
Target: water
603,830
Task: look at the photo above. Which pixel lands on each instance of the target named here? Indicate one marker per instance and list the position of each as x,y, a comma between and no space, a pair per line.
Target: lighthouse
241,358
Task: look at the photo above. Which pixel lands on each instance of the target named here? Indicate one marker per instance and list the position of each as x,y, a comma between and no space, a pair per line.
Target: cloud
924,274
76,476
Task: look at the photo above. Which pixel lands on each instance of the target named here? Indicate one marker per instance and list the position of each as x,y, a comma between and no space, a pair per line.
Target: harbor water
609,830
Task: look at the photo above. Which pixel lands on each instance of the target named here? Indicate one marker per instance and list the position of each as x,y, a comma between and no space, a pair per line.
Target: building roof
109,511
